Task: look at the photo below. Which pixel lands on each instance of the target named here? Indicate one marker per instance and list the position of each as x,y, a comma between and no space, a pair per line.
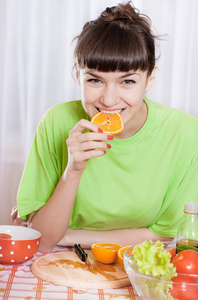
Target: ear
78,76
150,80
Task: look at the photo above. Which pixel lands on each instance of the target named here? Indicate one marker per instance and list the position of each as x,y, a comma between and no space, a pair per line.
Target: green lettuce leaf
153,260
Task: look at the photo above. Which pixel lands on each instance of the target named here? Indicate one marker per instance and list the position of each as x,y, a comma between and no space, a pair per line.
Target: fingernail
108,146
100,130
110,137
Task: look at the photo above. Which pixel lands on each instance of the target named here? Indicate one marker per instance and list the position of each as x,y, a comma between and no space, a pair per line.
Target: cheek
90,95
136,99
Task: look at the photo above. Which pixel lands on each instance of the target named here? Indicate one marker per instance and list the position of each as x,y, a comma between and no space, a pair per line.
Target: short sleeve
40,175
171,213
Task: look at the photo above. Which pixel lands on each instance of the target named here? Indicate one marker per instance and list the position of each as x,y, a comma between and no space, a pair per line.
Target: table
18,282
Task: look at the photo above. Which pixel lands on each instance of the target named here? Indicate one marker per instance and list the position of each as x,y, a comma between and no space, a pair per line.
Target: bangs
116,49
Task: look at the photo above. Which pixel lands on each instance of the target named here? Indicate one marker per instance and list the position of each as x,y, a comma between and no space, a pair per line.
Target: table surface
18,282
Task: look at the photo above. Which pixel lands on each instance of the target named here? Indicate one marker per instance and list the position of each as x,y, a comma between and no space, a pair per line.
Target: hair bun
120,12
110,9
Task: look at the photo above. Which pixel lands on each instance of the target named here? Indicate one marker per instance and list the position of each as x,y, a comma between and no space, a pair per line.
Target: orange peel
111,123
106,253
121,255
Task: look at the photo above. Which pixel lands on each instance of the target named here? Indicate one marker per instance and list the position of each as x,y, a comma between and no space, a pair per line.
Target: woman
81,185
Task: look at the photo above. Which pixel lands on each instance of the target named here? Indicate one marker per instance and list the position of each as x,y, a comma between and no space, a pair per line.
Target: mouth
110,111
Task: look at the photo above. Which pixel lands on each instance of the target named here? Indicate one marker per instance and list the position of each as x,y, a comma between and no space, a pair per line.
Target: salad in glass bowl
154,270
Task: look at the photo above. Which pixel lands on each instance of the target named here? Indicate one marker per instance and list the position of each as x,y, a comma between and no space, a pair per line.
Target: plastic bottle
187,236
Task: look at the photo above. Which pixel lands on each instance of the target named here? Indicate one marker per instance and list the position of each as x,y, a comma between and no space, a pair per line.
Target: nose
109,97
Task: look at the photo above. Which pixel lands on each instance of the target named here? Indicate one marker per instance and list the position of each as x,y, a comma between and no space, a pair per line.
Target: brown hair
120,39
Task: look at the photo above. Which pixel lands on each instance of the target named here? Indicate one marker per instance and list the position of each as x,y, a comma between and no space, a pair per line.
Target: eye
129,81
94,80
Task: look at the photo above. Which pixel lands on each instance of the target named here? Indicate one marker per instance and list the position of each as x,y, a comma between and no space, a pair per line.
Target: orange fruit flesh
5,236
106,253
121,254
111,123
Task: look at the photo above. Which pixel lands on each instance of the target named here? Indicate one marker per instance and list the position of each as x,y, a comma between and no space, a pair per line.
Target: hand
17,221
83,146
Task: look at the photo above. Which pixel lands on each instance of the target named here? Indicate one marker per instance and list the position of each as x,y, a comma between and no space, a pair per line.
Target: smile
110,111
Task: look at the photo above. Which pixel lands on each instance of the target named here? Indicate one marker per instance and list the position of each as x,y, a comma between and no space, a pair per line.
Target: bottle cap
191,207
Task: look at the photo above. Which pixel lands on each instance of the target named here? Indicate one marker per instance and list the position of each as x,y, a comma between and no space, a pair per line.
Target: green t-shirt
142,181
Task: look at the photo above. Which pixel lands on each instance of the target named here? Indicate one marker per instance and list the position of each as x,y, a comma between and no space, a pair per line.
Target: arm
121,236
53,218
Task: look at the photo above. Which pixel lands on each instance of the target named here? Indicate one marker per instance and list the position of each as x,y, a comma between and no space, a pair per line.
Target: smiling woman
81,184
65,179
36,62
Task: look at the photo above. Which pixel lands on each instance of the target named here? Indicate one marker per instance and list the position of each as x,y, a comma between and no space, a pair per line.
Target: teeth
110,112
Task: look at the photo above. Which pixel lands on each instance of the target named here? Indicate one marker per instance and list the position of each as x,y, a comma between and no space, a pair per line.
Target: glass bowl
181,287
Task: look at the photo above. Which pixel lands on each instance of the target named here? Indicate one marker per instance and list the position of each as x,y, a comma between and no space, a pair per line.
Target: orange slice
5,236
111,123
121,254
106,253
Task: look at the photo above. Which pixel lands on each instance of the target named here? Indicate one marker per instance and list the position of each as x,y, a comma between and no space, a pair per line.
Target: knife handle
80,252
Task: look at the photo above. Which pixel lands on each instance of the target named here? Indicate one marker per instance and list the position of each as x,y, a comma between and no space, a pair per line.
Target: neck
138,121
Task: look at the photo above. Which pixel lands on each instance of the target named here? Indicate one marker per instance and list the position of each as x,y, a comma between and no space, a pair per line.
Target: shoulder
64,115
72,109
175,127
178,121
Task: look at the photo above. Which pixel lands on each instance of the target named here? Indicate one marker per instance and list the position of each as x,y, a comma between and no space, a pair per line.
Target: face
116,91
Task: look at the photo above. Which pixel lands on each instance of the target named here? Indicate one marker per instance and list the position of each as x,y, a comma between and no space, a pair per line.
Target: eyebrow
123,76
129,74
92,74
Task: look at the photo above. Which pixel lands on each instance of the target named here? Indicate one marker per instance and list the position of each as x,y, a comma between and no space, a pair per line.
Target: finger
93,136
74,143
89,145
80,157
82,125
14,212
20,222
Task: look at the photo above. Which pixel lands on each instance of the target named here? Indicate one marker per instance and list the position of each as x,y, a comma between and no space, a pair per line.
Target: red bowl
18,244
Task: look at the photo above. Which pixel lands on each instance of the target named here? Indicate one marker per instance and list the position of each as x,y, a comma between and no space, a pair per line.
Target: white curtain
36,68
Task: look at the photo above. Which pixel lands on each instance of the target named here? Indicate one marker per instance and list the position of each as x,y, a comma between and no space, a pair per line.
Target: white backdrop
36,68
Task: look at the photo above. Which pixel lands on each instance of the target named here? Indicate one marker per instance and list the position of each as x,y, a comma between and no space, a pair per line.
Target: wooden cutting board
66,269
